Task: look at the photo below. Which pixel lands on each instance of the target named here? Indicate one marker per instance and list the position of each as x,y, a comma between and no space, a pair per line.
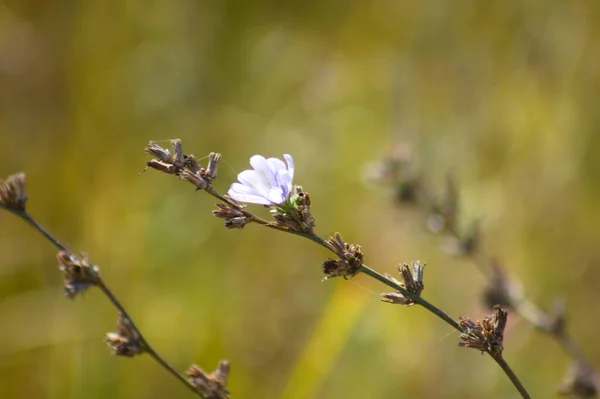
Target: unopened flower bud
213,165
161,153
196,180
178,157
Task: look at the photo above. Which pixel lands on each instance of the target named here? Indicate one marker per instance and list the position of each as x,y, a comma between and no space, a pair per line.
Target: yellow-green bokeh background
503,93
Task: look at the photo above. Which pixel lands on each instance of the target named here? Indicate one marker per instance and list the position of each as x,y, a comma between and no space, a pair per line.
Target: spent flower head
80,274
233,214
349,262
268,183
184,166
211,386
12,192
126,341
485,335
412,281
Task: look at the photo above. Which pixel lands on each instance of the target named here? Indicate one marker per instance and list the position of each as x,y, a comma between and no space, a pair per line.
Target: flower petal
252,178
248,198
276,164
290,163
240,188
261,166
275,195
284,180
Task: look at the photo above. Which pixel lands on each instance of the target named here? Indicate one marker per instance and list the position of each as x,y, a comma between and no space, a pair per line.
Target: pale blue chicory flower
269,183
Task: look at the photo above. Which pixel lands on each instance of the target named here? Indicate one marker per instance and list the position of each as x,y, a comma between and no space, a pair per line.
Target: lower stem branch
113,299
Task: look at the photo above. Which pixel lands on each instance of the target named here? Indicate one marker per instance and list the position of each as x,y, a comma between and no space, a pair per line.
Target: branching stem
112,298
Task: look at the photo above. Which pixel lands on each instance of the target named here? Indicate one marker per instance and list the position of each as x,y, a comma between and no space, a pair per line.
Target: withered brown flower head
486,335
126,341
184,166
349,262
211,386
79,274
580,382
232,214
412,281
12,192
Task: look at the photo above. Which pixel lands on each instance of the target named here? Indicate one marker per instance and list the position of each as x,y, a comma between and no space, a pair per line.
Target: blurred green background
504,94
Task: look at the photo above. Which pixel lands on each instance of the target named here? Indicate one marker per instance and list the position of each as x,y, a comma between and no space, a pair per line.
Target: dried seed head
486,335
12,192
211,386
233,215
349,262
157,151
580,382
412,281
184,166
161,166
191,163
126,341
213,165
178,157
195,179
79,274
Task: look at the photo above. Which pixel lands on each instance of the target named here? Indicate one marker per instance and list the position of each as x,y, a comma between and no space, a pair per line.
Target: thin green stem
377,276
418,300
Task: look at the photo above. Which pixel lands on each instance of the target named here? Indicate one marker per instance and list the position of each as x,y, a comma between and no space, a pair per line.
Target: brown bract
211,386
349,262
412,281
126,341
232,213
184,166
79,274
12,192
485,335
